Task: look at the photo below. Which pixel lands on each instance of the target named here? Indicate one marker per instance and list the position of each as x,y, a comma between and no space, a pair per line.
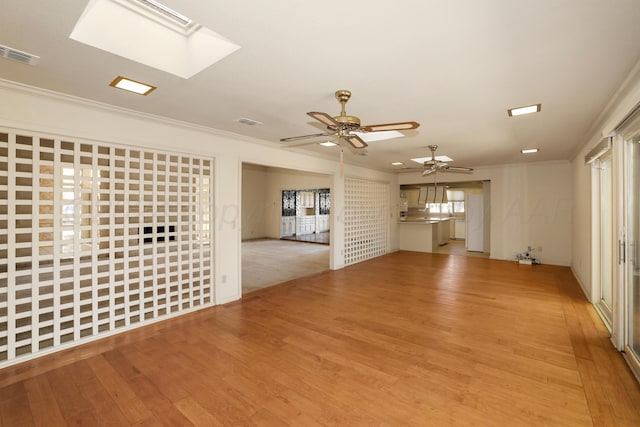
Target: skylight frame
167,11
144,36
162,15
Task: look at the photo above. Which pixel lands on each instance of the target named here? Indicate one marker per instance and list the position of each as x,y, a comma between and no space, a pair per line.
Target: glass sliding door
607,238
632,348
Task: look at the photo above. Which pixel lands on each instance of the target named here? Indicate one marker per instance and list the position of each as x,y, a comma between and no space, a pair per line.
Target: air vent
248,122
18,55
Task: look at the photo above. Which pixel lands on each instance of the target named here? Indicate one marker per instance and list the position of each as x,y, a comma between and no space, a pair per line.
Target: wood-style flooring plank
42,401
404,339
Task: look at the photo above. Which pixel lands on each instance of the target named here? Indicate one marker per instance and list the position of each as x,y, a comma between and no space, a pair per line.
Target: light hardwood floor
404,339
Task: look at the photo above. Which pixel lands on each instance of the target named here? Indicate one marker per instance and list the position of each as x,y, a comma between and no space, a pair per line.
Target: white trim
582,286
125,112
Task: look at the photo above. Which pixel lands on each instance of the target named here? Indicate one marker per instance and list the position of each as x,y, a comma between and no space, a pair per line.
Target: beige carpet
266,262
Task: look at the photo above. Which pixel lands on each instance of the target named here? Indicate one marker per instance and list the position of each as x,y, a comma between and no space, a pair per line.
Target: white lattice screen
95,237
366,219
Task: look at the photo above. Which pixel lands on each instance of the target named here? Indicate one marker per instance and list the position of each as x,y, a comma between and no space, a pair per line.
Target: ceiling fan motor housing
347,122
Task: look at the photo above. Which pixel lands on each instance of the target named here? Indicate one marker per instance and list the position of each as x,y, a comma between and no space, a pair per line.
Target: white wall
36,110
531,205
254,205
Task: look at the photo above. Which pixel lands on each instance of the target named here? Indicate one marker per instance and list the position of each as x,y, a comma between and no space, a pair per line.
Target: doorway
466,205
605,241
266,259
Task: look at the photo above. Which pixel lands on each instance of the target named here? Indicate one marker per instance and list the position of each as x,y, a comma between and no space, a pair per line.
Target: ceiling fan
343,126
434,165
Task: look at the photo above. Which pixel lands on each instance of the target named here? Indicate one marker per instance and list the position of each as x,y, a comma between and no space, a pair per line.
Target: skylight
379,136
150,33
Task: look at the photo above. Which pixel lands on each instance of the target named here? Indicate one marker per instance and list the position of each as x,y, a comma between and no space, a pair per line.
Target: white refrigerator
474,210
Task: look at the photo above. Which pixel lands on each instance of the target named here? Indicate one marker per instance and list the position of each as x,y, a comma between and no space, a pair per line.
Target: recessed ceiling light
421,160
397,163
328,144
132,86
529,150
524,110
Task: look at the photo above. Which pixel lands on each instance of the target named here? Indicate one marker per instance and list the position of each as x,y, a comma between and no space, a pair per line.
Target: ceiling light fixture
524,110
529,150
132,86
328,144
397,163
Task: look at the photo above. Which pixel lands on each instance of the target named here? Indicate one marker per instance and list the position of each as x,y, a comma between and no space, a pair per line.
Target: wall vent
18,55
249,122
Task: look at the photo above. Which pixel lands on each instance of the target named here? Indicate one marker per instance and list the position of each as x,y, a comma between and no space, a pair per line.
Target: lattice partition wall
366,220
94,238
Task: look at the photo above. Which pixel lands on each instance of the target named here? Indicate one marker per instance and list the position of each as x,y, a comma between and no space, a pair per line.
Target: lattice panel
366,220
94,238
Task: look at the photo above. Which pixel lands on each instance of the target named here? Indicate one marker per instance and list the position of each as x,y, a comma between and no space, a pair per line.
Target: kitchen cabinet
287,226
443,232
460,229
322,223
423,235
306,224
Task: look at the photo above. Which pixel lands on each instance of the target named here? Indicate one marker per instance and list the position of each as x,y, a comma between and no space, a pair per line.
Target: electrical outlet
539,248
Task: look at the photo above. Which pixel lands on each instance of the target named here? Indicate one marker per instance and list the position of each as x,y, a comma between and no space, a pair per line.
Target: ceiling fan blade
429,171
324,118
390,126
355,141
315,135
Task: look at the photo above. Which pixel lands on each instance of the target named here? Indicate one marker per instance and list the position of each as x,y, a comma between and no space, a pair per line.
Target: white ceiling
453,66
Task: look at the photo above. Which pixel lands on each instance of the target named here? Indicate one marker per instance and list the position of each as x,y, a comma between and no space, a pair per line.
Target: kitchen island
423,234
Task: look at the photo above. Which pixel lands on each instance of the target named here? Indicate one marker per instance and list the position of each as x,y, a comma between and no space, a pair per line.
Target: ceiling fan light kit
345,126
